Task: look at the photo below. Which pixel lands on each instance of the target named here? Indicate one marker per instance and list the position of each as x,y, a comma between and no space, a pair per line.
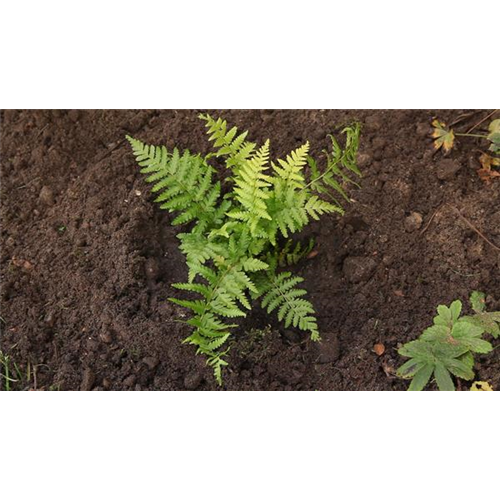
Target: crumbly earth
87,258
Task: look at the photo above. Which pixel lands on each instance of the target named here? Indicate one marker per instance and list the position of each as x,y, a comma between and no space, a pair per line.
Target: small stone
423,129
446,169
81,241
475,252
364,159
50,319
379,349
105,337
130,381
192,380
152,269
74,114
358,269
46,196
413,222
151,362
379,143
329,350
88,380
373,122
387,259
473,163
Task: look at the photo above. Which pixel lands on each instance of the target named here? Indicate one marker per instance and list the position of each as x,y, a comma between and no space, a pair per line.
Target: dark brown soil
87,259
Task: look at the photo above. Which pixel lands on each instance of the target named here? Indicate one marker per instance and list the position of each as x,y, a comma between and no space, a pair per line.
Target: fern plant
239,229
447,348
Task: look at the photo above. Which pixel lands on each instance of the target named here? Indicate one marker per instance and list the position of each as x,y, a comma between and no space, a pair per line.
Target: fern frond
280,292
229,143
183,181
251,190
316,207
217,363
288,213
197,306
198,250
289,173
329,181
286,256
252,264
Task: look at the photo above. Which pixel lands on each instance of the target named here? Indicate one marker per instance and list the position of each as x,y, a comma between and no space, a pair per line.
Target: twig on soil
475,229
430,220
41,131
109,151
28,183
461,118
483,120
462,274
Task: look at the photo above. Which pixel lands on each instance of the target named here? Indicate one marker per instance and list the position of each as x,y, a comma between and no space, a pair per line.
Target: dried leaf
22,263
312,254
486,173
443,137
481,386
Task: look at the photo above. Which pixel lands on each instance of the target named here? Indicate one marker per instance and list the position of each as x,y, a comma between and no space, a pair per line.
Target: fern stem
331,167
214,289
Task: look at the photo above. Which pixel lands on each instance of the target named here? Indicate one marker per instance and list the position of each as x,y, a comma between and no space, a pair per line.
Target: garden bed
87,259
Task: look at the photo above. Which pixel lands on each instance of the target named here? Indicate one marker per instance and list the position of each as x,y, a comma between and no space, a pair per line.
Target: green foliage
489,321
234,242
290,255
11,375
494,136
447,348
445,136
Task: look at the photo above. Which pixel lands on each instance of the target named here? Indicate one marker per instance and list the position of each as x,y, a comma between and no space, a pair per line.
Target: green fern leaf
280,293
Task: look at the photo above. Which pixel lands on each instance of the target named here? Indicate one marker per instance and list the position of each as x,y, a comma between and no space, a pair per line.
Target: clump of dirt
87,260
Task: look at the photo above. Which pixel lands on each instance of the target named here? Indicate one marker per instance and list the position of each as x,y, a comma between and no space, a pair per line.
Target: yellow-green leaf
443,137
481,391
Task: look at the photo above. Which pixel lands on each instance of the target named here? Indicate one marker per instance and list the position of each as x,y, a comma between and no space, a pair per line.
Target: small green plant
445,136
10,373
239,228
447,348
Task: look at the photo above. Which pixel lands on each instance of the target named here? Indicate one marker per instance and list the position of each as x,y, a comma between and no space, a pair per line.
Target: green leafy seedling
444,137
489,321
236,231
447,348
